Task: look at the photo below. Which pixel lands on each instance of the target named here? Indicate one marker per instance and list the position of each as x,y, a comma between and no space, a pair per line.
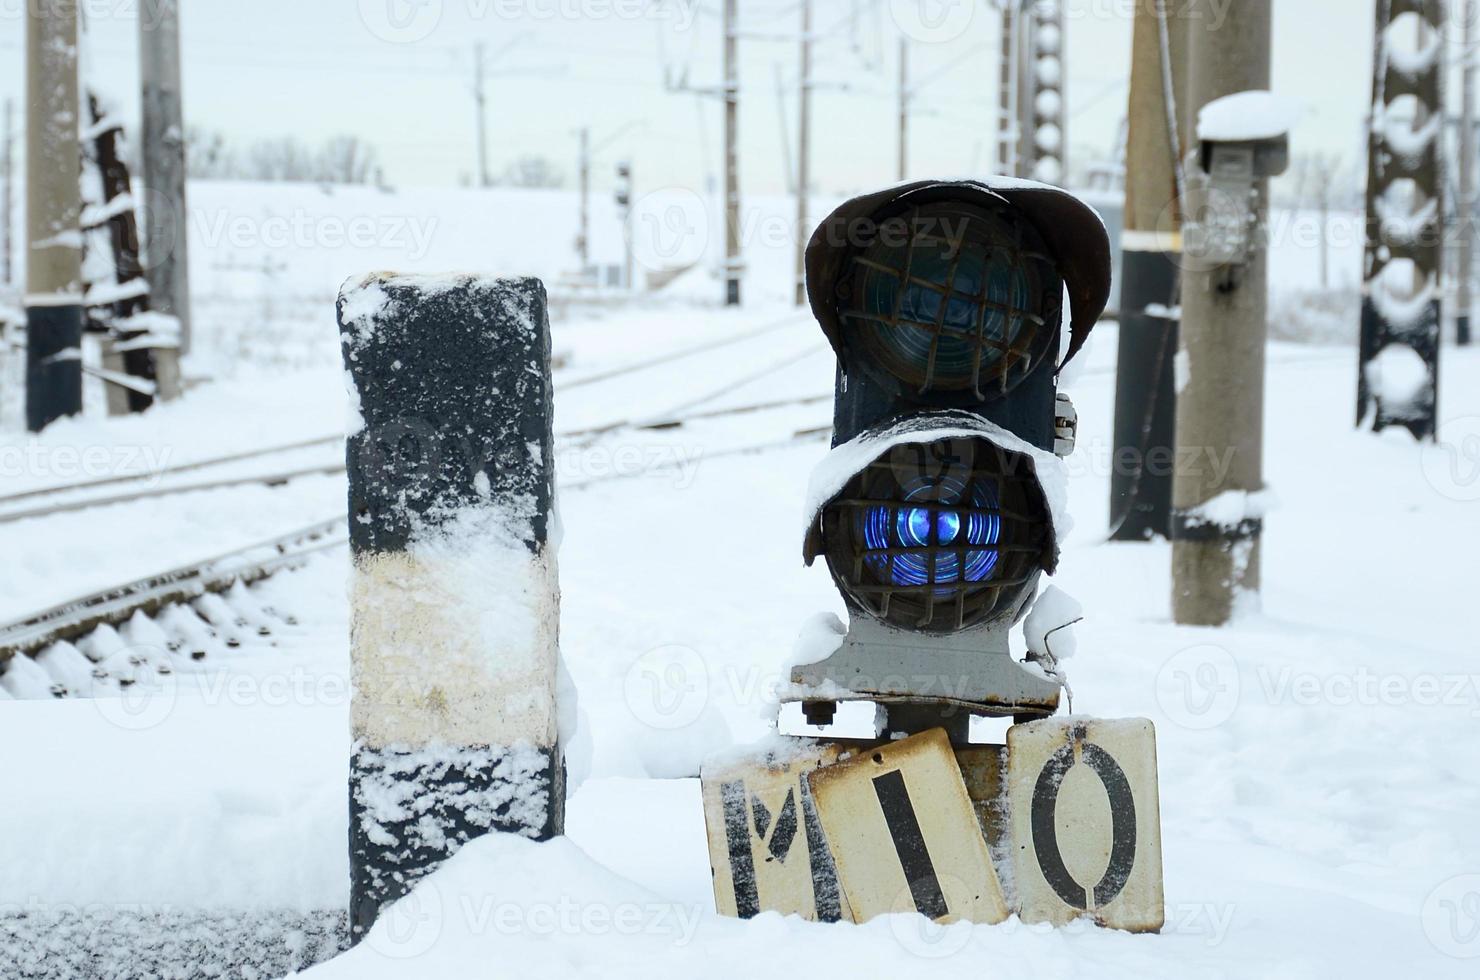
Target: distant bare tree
348,160
207,156
533,171
284,158
1316,184
340,160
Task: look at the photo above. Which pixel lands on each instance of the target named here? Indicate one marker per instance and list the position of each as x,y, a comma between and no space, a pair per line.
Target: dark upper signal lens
954,297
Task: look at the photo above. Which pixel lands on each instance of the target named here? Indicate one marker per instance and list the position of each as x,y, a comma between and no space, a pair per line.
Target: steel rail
117,603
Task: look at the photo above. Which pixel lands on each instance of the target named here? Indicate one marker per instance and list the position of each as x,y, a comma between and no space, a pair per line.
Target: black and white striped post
53,216
454,595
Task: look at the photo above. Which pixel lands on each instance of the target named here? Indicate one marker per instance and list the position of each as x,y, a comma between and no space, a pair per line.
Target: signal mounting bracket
970,673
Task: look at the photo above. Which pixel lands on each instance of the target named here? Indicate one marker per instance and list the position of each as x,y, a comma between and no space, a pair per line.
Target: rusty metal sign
905,835
766,847
1086,822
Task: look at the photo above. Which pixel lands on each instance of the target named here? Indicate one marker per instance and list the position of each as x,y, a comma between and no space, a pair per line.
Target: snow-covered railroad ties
183,606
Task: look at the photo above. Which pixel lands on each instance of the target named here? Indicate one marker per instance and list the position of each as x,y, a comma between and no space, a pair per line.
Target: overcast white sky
399,72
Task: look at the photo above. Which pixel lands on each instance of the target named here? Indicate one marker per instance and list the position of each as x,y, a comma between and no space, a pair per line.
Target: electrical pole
732,161
904,104
163,151
804,123
1145,376
624,205
53,216
1215,556
7,181
479,101
1007,99
583,238
1464,288
1326,173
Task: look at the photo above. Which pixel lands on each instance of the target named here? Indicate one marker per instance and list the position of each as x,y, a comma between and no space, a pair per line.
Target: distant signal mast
1398,377
1032,140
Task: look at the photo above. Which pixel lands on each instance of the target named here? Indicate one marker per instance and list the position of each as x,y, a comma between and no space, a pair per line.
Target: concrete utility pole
1464,289
583,237
1145,377
7,184
1215,556
732,154
804,131
163,149
53,216
904,104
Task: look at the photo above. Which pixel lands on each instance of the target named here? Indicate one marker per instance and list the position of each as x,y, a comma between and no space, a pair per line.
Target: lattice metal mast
1403,268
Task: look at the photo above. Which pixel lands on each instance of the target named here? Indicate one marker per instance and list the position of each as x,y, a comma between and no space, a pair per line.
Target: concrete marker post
454,595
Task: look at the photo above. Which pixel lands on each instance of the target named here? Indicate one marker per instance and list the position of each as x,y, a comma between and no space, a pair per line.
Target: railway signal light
623,192
935,511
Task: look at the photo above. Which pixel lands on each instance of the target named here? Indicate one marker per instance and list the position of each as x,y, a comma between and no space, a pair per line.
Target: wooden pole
127,347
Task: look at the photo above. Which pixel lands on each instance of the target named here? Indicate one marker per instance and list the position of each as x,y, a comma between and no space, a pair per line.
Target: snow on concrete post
454,596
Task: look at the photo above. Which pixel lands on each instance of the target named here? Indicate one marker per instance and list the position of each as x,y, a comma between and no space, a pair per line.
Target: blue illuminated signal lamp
887,529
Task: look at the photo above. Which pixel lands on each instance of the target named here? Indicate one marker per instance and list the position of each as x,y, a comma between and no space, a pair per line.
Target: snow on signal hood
1073,231
843,462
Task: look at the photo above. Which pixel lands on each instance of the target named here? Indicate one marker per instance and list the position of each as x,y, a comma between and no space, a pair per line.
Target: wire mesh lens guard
937,536
951,296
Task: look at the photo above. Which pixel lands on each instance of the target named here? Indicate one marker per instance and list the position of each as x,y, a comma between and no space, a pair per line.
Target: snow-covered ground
1317,758
1317,775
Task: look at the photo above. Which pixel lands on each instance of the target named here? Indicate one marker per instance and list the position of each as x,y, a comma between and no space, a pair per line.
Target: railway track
112,606
74,619
126,479
71,498
193,601
181,590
